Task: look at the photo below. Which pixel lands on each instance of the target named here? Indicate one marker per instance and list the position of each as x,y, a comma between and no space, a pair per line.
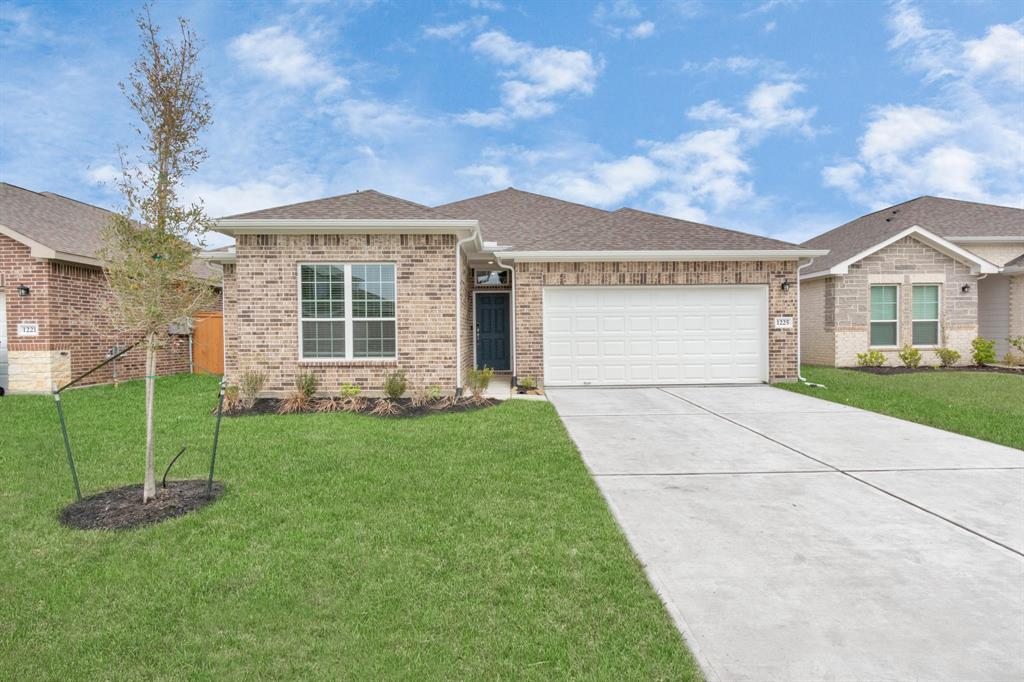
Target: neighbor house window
884,315
926,315
491,278
347,310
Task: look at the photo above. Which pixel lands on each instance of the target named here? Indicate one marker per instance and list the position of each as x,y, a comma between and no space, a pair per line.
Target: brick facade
531,278
261,315
67,302
817,322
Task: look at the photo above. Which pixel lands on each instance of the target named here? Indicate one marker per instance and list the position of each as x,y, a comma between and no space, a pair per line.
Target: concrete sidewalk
796,539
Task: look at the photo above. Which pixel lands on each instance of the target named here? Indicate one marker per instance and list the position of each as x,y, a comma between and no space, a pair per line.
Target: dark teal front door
492,331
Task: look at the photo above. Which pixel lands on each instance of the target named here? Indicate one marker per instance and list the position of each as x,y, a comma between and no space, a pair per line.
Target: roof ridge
866,215
533,194
694,222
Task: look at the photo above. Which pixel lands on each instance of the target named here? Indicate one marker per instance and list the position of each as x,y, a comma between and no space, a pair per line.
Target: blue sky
777,117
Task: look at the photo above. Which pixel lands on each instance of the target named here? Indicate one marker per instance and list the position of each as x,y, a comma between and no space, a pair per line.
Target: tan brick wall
261,308
468,332
999,253
904,263
817,335
530,279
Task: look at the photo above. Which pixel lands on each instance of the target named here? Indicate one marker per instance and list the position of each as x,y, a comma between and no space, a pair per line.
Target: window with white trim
925,319
347,311
884,315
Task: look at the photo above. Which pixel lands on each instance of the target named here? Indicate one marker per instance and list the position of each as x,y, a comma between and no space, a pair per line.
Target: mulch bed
122,508
406,409
915,370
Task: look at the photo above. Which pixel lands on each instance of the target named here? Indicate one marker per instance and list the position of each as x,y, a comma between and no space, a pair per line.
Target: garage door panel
657,334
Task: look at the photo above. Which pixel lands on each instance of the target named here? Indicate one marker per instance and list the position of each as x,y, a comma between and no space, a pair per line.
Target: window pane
926,333
883,333
322,292
373,339
926,302
373,292
883,303
323,339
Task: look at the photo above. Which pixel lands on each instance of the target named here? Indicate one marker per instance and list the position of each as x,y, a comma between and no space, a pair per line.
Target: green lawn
465,546
985,405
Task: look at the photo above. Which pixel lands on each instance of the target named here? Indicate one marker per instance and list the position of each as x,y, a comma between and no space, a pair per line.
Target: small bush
301,399
350,391
386,408
251,385
947,356
329,405
872,358
232,401
983,351
394,384
351,400
527,383
306,383
1013,359
419,397
1017,342
910,356
434,392
479,380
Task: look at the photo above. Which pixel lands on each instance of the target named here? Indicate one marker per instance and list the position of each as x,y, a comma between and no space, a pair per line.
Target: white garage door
655,335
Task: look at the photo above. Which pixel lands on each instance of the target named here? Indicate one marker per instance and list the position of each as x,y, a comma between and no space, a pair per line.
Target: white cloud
605,184
492,176
102,174
455,30
534,78
645,29
965,142
285,57
741,65
490,5
372,118
276,187
770,26
768,107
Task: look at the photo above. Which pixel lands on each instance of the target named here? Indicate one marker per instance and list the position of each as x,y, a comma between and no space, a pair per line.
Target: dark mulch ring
122,508
913,370
404,408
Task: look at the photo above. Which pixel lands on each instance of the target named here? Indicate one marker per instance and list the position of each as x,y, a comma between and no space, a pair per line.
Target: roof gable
50,222
362,205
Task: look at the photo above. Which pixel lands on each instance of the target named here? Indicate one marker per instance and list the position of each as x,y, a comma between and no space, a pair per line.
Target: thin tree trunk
149,489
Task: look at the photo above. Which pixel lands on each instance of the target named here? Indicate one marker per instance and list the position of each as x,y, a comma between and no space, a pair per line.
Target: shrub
386,408
232,401
394,383
872,358
301,399
479,380
1013,359
527,383
329,405
910,356
351,401
250,386
983,351
434,392
1017,342
419,397
947,356
306,383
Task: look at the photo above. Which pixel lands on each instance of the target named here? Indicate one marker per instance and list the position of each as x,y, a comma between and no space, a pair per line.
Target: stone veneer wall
905,263
67,301
261,317
531,278
817,321
997,253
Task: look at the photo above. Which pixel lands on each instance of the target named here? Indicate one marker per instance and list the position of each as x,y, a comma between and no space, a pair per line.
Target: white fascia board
680,255
983,240
218,256
39,250
978,265
234,226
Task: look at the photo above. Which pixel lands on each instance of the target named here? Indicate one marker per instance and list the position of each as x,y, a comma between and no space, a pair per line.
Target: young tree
150,245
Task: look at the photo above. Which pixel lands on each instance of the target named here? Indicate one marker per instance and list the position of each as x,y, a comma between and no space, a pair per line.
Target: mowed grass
466,546
985,405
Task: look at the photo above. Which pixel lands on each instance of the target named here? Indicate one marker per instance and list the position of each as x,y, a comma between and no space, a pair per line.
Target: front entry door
492,331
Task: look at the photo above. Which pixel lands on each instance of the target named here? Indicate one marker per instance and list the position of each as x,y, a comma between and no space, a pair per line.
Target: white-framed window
491,278
885,315
347,311
925,321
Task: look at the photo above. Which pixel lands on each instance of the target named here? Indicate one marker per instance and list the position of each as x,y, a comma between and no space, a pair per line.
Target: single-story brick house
52,293
927,272
350,287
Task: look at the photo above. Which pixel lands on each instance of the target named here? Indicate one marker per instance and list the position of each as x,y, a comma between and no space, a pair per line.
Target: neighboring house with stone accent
52,297
928,272
354,286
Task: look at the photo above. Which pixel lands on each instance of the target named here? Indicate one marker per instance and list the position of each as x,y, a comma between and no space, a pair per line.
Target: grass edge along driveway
985,405
470,546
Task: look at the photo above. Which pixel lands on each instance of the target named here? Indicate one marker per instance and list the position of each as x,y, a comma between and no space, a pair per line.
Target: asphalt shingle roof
364,205
64,224
944,217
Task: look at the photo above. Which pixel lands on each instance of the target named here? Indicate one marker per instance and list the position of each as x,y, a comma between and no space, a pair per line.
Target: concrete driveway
796,539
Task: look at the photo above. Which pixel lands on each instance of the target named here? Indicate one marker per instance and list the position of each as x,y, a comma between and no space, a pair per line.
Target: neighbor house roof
945,218
363,205
59,228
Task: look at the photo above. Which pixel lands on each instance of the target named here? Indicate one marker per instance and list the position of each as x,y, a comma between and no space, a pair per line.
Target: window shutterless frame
349,320
926,320
879,319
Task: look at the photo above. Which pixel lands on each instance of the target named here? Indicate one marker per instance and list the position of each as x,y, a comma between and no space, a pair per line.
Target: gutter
664,255
474,237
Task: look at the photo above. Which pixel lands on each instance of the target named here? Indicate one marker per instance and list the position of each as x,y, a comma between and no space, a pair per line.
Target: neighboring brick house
52,294
928,272
351,287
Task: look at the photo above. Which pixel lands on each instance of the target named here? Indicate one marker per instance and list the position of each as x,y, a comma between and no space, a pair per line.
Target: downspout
800,327
512,314
458,307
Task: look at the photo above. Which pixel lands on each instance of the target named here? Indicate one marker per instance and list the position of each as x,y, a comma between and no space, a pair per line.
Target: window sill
355,362
884,347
